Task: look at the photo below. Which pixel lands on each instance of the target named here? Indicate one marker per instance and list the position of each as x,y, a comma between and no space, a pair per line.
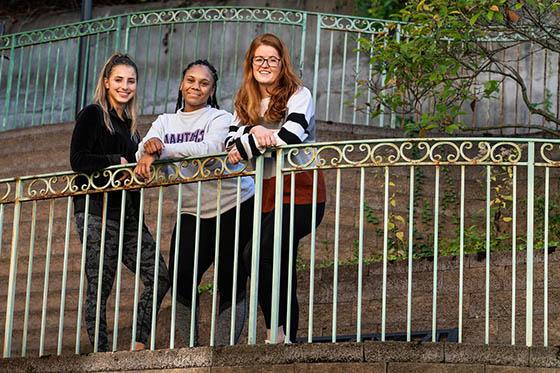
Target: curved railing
388,200
43,81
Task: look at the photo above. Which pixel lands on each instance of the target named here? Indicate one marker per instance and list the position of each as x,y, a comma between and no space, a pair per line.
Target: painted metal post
9,82
13,271
530,226
316,67
255,257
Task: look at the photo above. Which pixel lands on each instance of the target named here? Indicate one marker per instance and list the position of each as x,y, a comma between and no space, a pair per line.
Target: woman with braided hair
198,128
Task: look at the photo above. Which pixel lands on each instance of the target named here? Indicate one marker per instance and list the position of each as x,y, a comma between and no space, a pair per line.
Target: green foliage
381,9
427,68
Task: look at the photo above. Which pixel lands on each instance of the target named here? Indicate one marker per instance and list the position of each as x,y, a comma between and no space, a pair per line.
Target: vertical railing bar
393,117
100,273
370,74
290,256
55,81
312,256
46,280
95,58
410,254
155,296
183,48
28,80
127,34
303,38
545,254
487,269
513,252
84,83
385,253
219,93
255,257
336,252
216,265
18,85
175,267
235,262
156,75
29,278
195,266
137,270
9,82
64,275
436,238
277,249
210,37
530,247
235,57
169,58
64,84
117,38
82,276
1,225
37,73
106,54
329,77
355,103
461,253
360,258
46,84
145,85
316,64
343,78
13,272
119,270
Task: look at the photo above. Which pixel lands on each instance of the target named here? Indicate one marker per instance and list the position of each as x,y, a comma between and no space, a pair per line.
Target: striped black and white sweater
297,128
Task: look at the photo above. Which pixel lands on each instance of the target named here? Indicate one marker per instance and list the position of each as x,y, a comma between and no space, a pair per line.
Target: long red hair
248,98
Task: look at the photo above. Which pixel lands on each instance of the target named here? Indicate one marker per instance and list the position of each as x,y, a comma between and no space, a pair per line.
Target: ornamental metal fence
403,247
42,81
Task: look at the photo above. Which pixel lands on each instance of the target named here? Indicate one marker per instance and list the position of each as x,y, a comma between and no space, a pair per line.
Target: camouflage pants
110,262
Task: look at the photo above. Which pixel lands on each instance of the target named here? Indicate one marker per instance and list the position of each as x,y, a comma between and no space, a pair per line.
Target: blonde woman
106,134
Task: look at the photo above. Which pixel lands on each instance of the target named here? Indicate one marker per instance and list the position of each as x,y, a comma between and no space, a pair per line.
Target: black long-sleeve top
93,148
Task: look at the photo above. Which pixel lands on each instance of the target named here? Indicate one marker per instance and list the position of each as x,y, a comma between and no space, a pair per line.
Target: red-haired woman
273,108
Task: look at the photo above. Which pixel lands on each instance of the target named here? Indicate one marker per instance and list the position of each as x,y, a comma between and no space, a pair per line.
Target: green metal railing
39,69
387,179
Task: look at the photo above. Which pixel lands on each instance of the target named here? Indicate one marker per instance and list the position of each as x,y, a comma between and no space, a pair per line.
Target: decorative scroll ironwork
550,154
353,24
58,33
123,177
403,153
217,14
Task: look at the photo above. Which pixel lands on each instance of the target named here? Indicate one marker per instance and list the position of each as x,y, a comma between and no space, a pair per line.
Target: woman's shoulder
302,93
90,114
219,114
89,110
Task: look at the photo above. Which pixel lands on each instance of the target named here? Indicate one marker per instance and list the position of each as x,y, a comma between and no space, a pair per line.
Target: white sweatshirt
198,133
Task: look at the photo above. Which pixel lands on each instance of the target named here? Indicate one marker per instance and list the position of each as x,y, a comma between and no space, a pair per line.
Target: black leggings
302,227
206,252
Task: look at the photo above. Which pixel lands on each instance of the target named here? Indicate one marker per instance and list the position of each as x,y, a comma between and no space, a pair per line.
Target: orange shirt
304,190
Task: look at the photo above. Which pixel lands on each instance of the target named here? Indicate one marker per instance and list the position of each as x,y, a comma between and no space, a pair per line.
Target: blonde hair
248,98
100,95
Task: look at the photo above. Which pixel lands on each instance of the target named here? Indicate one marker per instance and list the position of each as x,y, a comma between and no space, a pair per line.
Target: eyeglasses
271,61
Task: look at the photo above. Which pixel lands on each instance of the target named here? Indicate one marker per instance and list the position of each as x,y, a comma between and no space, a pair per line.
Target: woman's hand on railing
153,146
144,165
233,155
264,136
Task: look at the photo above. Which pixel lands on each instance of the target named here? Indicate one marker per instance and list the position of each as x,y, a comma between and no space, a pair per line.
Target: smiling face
265,74
121,85
197,87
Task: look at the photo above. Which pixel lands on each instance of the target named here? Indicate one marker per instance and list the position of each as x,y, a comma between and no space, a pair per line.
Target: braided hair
212,100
